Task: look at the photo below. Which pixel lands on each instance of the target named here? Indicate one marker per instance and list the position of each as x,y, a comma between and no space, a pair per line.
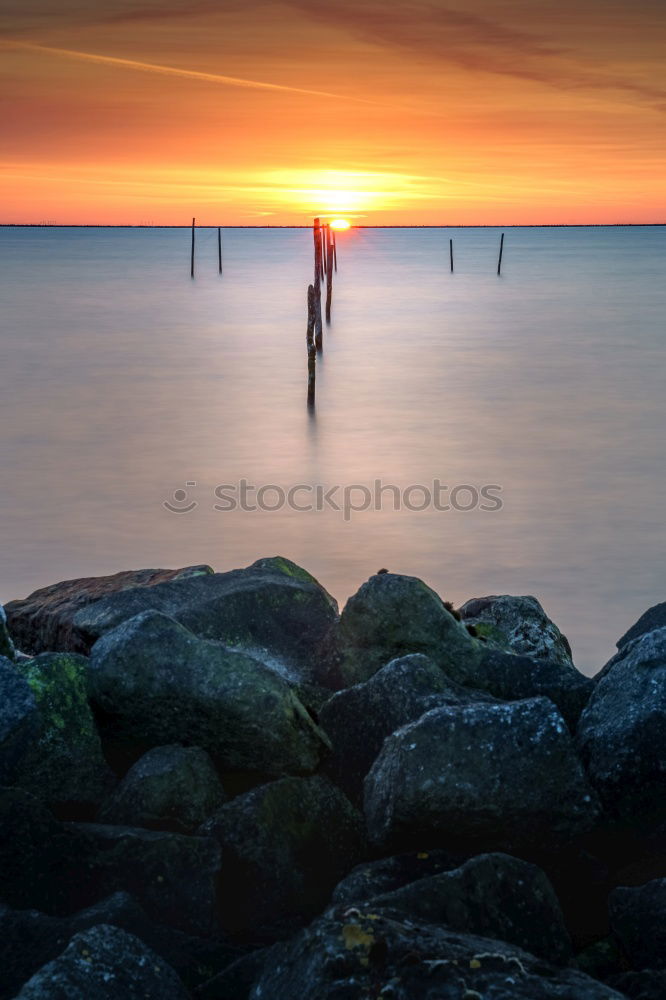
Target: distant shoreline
506,225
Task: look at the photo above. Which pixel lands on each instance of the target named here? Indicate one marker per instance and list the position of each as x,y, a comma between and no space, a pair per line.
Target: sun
339,224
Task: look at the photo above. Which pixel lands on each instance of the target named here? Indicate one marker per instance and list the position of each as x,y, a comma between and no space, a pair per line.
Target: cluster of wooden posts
499,260
219,248
325,264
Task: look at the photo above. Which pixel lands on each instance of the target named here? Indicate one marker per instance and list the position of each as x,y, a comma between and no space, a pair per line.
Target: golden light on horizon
339,224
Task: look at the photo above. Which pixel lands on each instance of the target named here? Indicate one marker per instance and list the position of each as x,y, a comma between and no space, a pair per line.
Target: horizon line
412,225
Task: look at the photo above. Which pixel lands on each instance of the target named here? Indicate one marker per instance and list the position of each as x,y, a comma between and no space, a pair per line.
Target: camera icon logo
179,502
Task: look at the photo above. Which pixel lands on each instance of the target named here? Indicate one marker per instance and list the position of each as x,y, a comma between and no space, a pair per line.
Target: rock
273,610
622,733
638,920
169,788
285,845
60,868
173,877
107,964
44,621
601,960
19,719
6,645
374,878
364,951
650,620
358,719
511,678
236,981
64,765
32,848
29,939
494,776
156,683
493,895
526,626
647,985
392,616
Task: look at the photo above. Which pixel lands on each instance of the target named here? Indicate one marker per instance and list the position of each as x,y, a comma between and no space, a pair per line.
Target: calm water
122,380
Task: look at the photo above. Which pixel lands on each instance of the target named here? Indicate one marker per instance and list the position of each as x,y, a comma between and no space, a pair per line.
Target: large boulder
638,920
107,964
622,733
653,618
29,939
493,895
512,677
273,609
392,616
62,867
486,776
6,644
44,621
522,623
358,719
64,765
19,719
173,877
285,845
154,682
383,875
366,951
169,788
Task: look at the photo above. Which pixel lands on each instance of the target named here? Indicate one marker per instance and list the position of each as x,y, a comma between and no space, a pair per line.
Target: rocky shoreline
216,786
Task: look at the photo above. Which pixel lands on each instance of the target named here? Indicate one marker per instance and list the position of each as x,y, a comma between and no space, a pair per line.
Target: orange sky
244,113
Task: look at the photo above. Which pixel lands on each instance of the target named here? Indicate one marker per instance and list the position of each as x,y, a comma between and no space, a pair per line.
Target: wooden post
310,342
219,250
451,254
499,262
329,273
335,251
317,283
192,255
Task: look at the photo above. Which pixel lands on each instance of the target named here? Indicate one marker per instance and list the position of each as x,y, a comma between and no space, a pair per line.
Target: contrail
189,74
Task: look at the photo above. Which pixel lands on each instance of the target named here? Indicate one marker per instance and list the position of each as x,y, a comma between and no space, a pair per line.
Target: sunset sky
244,113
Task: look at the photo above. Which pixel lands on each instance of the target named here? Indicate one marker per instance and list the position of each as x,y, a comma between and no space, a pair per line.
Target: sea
490,434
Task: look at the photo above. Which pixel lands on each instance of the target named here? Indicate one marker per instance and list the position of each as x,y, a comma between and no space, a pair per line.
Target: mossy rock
64,764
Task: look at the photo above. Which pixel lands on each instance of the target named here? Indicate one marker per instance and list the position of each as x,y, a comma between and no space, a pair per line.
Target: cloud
476,41
134,64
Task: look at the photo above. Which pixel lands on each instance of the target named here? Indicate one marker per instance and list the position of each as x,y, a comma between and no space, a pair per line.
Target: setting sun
340,224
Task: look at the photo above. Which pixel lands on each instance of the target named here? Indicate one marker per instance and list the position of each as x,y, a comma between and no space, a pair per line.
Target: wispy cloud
191,74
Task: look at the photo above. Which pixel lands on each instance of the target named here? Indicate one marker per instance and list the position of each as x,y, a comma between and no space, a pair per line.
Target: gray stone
392,616
523,623
493,895
285,845
365,951
19,719
6,644
622,733
169,788
358,719
64,764
638,920
496,776
157,683
105,963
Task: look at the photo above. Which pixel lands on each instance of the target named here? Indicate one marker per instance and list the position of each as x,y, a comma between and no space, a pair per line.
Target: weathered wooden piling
219,249
451,254
310,343
499,262
335,251
323,251
192,254
329,273
317,283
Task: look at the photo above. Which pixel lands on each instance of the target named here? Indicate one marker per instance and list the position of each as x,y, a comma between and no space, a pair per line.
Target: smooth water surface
122,380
